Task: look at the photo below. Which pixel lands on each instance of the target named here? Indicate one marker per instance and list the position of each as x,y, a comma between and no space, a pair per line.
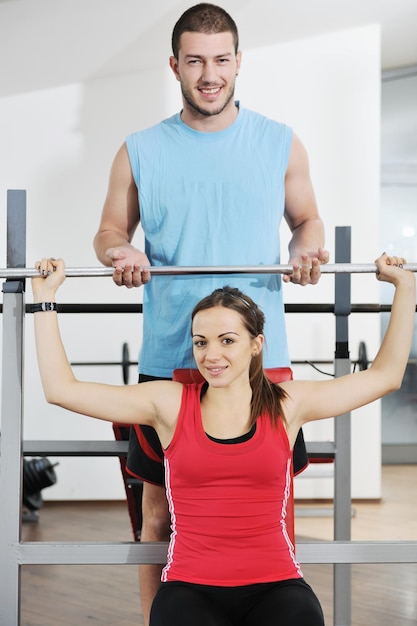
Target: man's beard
206,112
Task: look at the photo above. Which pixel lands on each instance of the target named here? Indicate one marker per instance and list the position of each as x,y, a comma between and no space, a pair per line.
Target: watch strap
43,306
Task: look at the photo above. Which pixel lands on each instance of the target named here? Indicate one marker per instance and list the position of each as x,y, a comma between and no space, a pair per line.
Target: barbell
126,363
171,270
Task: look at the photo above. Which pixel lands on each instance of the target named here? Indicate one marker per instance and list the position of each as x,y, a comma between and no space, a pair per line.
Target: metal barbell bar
171,270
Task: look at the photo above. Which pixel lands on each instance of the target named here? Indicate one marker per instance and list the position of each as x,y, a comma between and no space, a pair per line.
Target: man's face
206,67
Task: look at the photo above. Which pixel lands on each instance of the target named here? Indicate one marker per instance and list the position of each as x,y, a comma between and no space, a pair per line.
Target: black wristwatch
43,306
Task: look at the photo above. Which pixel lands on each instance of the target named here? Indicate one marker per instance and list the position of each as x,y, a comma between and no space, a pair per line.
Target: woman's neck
226,411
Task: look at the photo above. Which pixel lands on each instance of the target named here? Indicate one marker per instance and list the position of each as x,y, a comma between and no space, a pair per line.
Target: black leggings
285,603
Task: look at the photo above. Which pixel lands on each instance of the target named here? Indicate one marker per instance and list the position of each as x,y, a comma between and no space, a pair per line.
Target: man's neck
209,123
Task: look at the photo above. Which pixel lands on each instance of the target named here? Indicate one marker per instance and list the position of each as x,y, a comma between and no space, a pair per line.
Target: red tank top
228,503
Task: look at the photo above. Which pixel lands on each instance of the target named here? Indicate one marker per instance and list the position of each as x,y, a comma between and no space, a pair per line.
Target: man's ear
238,61
173,63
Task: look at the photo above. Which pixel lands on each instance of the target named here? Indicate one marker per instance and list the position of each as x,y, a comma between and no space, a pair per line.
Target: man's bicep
121,206
300,200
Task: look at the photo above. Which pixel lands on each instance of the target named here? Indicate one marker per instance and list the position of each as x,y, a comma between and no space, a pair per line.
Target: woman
230,560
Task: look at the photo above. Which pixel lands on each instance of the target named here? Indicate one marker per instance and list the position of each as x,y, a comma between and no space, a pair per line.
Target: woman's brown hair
266,396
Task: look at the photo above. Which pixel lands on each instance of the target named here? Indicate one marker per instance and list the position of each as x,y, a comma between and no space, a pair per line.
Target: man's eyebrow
201,56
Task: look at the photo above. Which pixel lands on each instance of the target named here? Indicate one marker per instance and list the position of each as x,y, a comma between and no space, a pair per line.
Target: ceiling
49,43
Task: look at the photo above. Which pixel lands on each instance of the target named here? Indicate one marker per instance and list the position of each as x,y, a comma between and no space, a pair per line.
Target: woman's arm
145,404
315,400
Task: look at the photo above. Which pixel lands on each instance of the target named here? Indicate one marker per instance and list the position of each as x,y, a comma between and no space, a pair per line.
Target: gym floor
382,595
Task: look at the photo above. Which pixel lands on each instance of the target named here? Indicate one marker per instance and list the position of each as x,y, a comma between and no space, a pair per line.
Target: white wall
58,144
328,89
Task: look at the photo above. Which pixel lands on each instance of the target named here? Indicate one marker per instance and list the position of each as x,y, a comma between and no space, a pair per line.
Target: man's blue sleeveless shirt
209,199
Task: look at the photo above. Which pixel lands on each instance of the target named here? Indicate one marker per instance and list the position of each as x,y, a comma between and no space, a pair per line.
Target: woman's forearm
55,370
394,352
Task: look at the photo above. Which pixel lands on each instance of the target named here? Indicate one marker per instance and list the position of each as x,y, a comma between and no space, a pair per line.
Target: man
210,186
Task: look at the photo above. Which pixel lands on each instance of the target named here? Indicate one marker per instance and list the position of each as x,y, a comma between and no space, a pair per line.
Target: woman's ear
258,343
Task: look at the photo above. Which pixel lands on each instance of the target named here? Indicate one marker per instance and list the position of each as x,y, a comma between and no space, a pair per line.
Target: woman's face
222,346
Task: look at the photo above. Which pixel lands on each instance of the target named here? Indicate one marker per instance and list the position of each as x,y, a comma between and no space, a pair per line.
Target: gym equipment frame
341,552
